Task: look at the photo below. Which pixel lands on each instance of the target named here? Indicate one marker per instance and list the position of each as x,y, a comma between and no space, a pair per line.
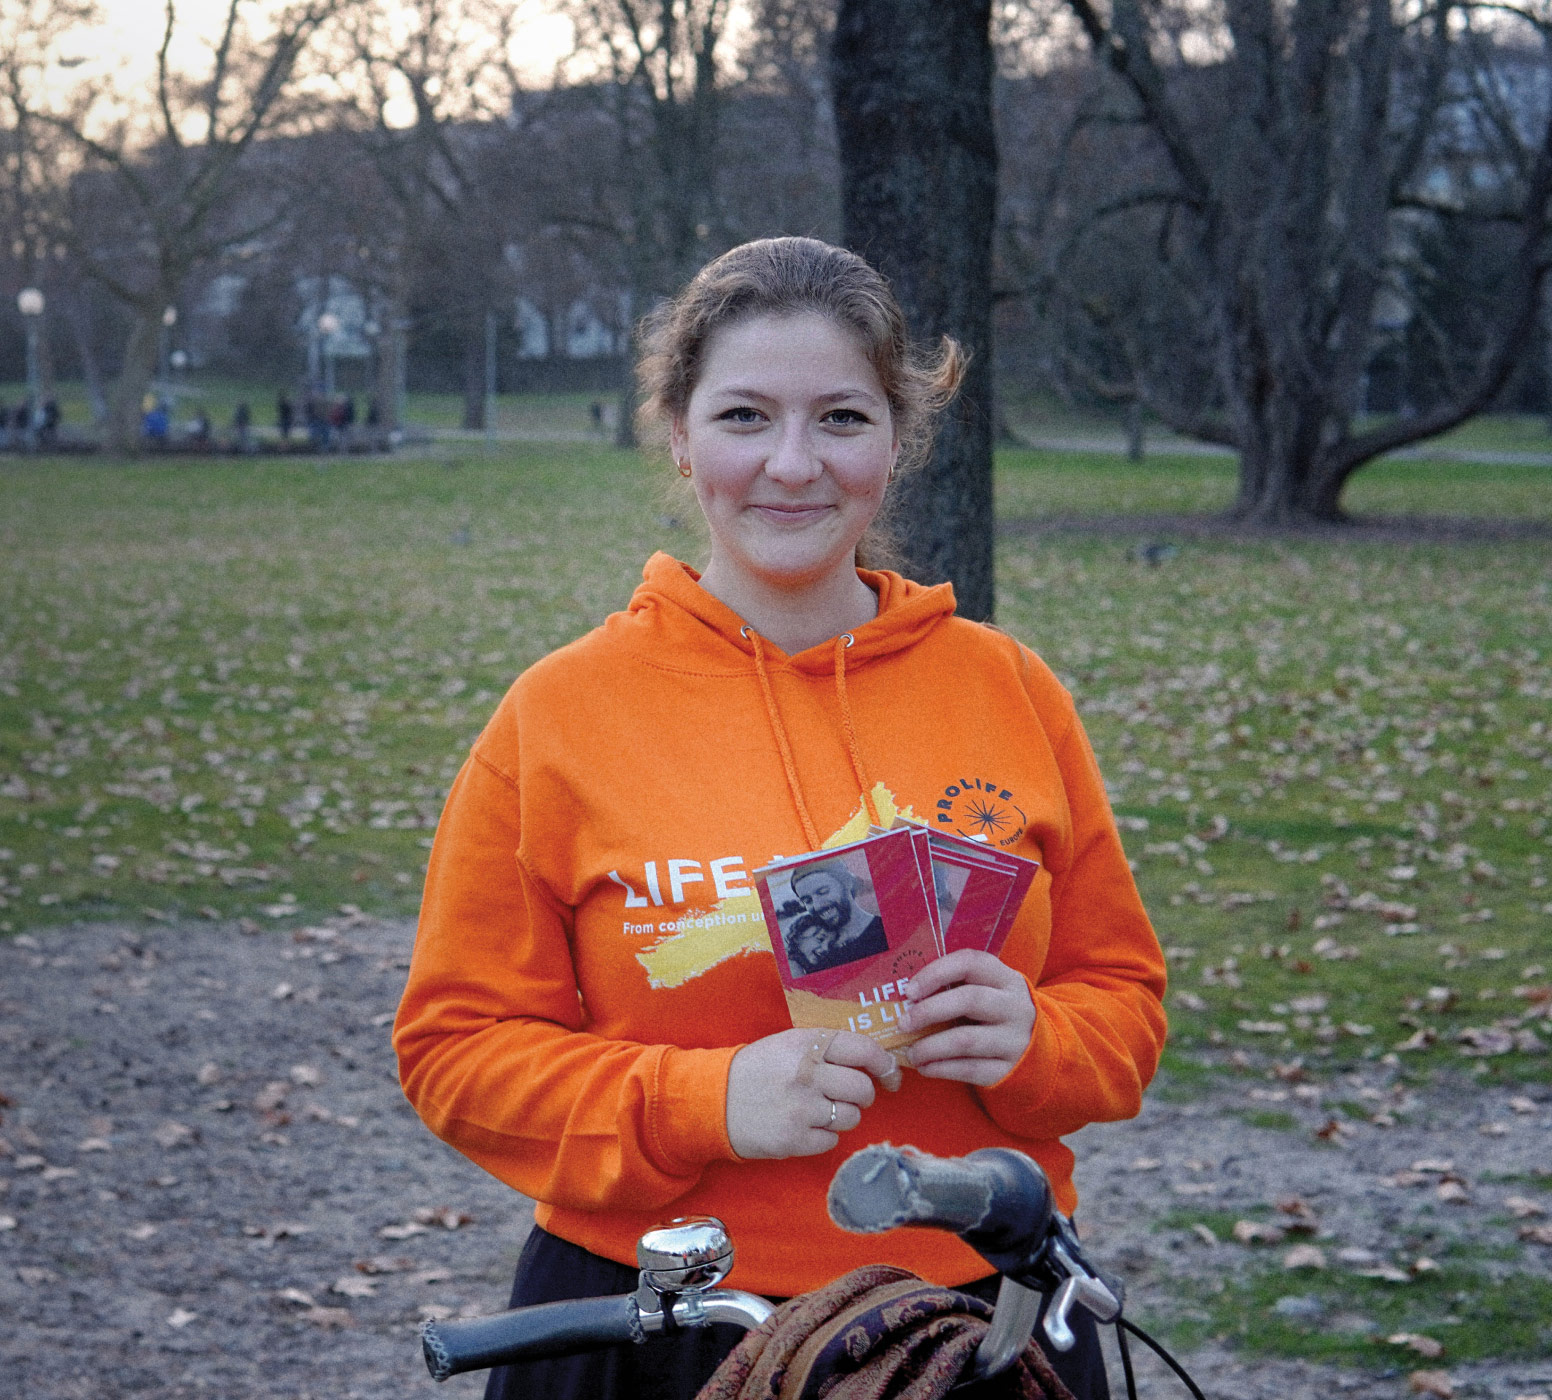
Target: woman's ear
678,441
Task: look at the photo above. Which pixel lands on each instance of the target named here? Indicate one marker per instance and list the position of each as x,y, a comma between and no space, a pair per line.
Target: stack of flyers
851,926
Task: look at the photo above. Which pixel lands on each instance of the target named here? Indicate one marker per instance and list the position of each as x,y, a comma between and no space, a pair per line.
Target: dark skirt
675,1368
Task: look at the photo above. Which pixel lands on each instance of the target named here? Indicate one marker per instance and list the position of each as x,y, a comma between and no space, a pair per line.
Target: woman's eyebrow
735,391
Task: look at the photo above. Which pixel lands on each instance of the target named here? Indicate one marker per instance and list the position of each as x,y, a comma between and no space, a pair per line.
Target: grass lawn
243,689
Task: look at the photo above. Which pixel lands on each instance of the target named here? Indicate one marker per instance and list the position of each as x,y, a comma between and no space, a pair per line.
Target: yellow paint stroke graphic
680,957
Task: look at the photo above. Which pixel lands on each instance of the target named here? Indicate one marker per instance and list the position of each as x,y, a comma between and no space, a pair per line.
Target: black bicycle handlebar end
997,1200
438,1362
525,1334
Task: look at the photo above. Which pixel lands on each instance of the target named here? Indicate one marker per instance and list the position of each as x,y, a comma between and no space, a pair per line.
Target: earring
891,475
684,466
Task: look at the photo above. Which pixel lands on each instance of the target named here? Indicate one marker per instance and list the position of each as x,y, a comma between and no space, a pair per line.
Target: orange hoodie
591,953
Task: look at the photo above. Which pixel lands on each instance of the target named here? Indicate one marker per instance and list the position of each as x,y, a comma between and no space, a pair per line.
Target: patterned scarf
878,1333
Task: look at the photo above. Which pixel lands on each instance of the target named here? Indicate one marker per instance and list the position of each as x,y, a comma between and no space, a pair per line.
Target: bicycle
997,1200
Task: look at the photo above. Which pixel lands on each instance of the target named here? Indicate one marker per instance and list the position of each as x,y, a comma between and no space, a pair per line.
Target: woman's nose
792,460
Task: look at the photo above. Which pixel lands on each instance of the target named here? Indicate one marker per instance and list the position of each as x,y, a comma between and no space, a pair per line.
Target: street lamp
29,301
328,328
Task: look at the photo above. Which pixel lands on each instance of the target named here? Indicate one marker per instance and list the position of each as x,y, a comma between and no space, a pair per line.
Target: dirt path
211,1186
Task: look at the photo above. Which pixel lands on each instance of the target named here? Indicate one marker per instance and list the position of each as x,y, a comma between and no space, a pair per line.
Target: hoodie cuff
689,1119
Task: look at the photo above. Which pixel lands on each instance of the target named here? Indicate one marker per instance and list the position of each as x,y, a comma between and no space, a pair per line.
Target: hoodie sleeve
1099,1014
491,1050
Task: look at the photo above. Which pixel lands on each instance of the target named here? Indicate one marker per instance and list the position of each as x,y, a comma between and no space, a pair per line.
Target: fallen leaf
170,1135
435,1312
1453,1193
445,1216
7,1222
1146,1164
329,1317
1523,1208
1386,1273
1536,1234
1520,1104
36,1278
1493,1129
272,1096
1254,1232
402,1232
1435,1383
94,1144
306,1075
143,1231
59,1173
1204,1233
181,1317
295,1295
1423,1265
209,1073
282,991
1425,1347
1305,1256
1433,1164
354,1287
383,1264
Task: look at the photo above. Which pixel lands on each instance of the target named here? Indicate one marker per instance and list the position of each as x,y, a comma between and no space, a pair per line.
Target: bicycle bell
685,1255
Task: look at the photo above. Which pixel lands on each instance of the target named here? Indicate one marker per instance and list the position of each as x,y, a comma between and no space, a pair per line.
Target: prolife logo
981,809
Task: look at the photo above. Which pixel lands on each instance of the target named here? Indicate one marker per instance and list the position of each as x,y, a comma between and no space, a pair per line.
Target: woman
593,1012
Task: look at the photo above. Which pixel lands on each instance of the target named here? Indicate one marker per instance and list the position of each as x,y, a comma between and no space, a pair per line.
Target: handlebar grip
997,1200
524,1334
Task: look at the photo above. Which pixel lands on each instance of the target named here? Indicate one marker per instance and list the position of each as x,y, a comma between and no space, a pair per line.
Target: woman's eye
845,417
742,414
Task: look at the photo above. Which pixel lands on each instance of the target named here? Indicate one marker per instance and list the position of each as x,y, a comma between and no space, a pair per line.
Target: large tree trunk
134,379
912,82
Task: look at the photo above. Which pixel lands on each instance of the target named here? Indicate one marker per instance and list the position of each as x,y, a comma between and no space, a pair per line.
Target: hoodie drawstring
780,731
842,644
810,831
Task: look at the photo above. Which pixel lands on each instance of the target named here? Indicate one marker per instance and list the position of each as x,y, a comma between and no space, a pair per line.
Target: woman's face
790,442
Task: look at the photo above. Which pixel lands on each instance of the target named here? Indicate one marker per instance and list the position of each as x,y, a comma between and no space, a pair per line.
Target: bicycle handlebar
997,1200
546,1329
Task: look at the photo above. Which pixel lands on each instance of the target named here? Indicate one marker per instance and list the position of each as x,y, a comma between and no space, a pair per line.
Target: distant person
242,427
595,411
315,419
347,421
49,429
5,426
374,413
285,415
156,423
200,429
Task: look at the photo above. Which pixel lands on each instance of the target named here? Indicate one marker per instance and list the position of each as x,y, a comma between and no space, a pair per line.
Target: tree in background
151,200
912,84
1296,156
664,100
433,100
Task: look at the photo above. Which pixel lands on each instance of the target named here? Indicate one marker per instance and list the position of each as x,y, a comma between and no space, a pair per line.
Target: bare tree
150,193
435,102
664,100
912,85
1296,153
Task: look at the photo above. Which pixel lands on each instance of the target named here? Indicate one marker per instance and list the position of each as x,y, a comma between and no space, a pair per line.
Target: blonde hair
790,277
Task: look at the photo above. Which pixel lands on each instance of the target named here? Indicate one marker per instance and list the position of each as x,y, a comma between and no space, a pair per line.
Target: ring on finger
831,1124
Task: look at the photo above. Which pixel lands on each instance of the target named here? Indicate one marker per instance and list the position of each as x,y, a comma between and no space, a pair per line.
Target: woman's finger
850,1086
964,965
978,1072
859,1052
966,1042
979,1003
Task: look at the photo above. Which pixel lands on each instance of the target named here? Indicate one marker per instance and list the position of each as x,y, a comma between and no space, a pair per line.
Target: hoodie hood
684,628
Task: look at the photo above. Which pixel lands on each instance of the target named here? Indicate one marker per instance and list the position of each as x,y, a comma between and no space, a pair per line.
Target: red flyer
849,928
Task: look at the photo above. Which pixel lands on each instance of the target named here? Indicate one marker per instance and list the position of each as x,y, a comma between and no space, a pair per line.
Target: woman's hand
780,1091
990,1001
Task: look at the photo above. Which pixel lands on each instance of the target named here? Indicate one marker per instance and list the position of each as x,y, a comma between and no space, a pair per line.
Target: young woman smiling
593,1013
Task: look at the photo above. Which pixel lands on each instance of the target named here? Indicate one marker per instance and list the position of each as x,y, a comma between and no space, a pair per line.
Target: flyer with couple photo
851,926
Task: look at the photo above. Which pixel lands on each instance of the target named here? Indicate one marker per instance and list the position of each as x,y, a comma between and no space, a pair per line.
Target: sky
126,44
